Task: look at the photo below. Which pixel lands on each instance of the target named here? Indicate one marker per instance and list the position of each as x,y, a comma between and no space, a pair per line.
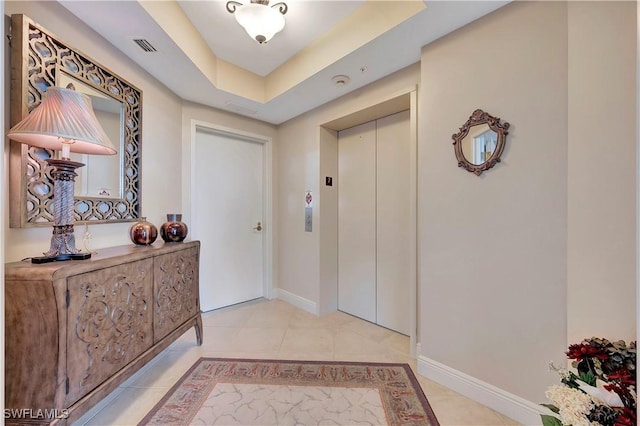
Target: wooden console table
75,330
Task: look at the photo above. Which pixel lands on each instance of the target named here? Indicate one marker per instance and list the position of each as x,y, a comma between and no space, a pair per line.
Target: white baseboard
295,300
508,404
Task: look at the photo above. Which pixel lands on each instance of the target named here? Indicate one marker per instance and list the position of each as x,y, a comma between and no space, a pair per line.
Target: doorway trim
402,100
189,182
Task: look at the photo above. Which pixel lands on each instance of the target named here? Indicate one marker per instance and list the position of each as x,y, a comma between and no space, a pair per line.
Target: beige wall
161,133
496,250
602,170
298,158
328,288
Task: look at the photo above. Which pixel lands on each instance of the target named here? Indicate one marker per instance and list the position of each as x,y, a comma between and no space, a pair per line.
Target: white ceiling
208,24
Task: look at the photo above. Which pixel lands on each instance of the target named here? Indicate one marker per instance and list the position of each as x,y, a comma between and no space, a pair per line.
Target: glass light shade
259,21
64,117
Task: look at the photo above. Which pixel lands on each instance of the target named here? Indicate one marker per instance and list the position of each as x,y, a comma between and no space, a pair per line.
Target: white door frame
330,302
189,182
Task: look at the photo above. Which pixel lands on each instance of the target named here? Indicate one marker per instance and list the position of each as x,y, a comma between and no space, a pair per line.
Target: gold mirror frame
37,57
478,118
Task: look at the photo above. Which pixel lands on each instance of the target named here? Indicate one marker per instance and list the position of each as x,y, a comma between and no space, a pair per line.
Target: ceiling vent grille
144,45
240,109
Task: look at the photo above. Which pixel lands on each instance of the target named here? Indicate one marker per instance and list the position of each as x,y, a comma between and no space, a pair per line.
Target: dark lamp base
61,257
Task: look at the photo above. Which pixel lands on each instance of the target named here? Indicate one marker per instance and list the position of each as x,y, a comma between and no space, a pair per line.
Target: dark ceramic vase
143,233
174,230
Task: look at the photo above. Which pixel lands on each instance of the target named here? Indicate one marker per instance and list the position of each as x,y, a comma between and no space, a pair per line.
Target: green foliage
550,421
572,380
551,407
588,378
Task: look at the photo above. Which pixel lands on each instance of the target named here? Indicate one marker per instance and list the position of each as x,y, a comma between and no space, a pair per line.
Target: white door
357,221
227,195
374,228
393,227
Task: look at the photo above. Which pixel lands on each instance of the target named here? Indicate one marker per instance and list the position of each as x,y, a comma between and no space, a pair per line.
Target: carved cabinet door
176,293
108,323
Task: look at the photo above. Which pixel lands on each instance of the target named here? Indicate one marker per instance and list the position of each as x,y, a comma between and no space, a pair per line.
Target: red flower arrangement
584,350
603,392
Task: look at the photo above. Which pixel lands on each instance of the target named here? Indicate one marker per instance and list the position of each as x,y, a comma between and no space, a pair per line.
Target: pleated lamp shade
64,117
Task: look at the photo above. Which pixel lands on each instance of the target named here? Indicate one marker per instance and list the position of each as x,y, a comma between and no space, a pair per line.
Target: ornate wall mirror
102,176
108,187
480,142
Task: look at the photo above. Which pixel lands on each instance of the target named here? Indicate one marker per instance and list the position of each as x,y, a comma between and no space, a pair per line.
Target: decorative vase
174,230
143,233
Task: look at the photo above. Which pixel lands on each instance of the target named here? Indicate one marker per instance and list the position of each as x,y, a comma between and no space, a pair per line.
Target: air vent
145,45
240,109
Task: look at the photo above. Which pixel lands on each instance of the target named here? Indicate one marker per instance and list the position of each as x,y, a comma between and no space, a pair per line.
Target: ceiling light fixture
259,20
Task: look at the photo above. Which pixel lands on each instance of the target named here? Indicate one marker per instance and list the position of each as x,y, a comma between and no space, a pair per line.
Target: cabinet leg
198,327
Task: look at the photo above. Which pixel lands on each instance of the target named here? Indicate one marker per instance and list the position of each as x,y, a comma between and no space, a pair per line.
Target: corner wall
602,171
538,252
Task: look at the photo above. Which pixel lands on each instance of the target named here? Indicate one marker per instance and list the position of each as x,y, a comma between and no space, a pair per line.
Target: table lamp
63,121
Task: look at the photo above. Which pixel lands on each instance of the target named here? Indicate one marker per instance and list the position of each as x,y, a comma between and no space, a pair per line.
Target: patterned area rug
246,392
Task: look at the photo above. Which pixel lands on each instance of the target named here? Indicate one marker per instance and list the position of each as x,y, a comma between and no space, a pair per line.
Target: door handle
258,228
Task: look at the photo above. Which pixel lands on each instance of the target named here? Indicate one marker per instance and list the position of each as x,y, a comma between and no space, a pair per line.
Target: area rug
218,391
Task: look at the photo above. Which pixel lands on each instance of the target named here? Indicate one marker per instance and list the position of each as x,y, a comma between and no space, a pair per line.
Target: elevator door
374,221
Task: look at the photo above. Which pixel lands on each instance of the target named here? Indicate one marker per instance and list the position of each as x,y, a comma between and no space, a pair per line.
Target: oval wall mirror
479,143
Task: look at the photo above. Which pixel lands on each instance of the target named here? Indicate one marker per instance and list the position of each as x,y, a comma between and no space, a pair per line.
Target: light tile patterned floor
272,329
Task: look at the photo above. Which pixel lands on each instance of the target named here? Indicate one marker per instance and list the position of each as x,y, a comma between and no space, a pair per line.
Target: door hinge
68,297
66,386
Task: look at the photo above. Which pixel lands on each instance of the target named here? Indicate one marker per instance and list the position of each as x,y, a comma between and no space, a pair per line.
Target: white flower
573,404
599,393
562,372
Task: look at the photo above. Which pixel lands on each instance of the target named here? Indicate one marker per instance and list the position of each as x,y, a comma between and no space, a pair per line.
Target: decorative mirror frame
36,58
479,117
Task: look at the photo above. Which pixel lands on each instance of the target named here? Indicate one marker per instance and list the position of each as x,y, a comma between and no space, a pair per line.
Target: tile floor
272,329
